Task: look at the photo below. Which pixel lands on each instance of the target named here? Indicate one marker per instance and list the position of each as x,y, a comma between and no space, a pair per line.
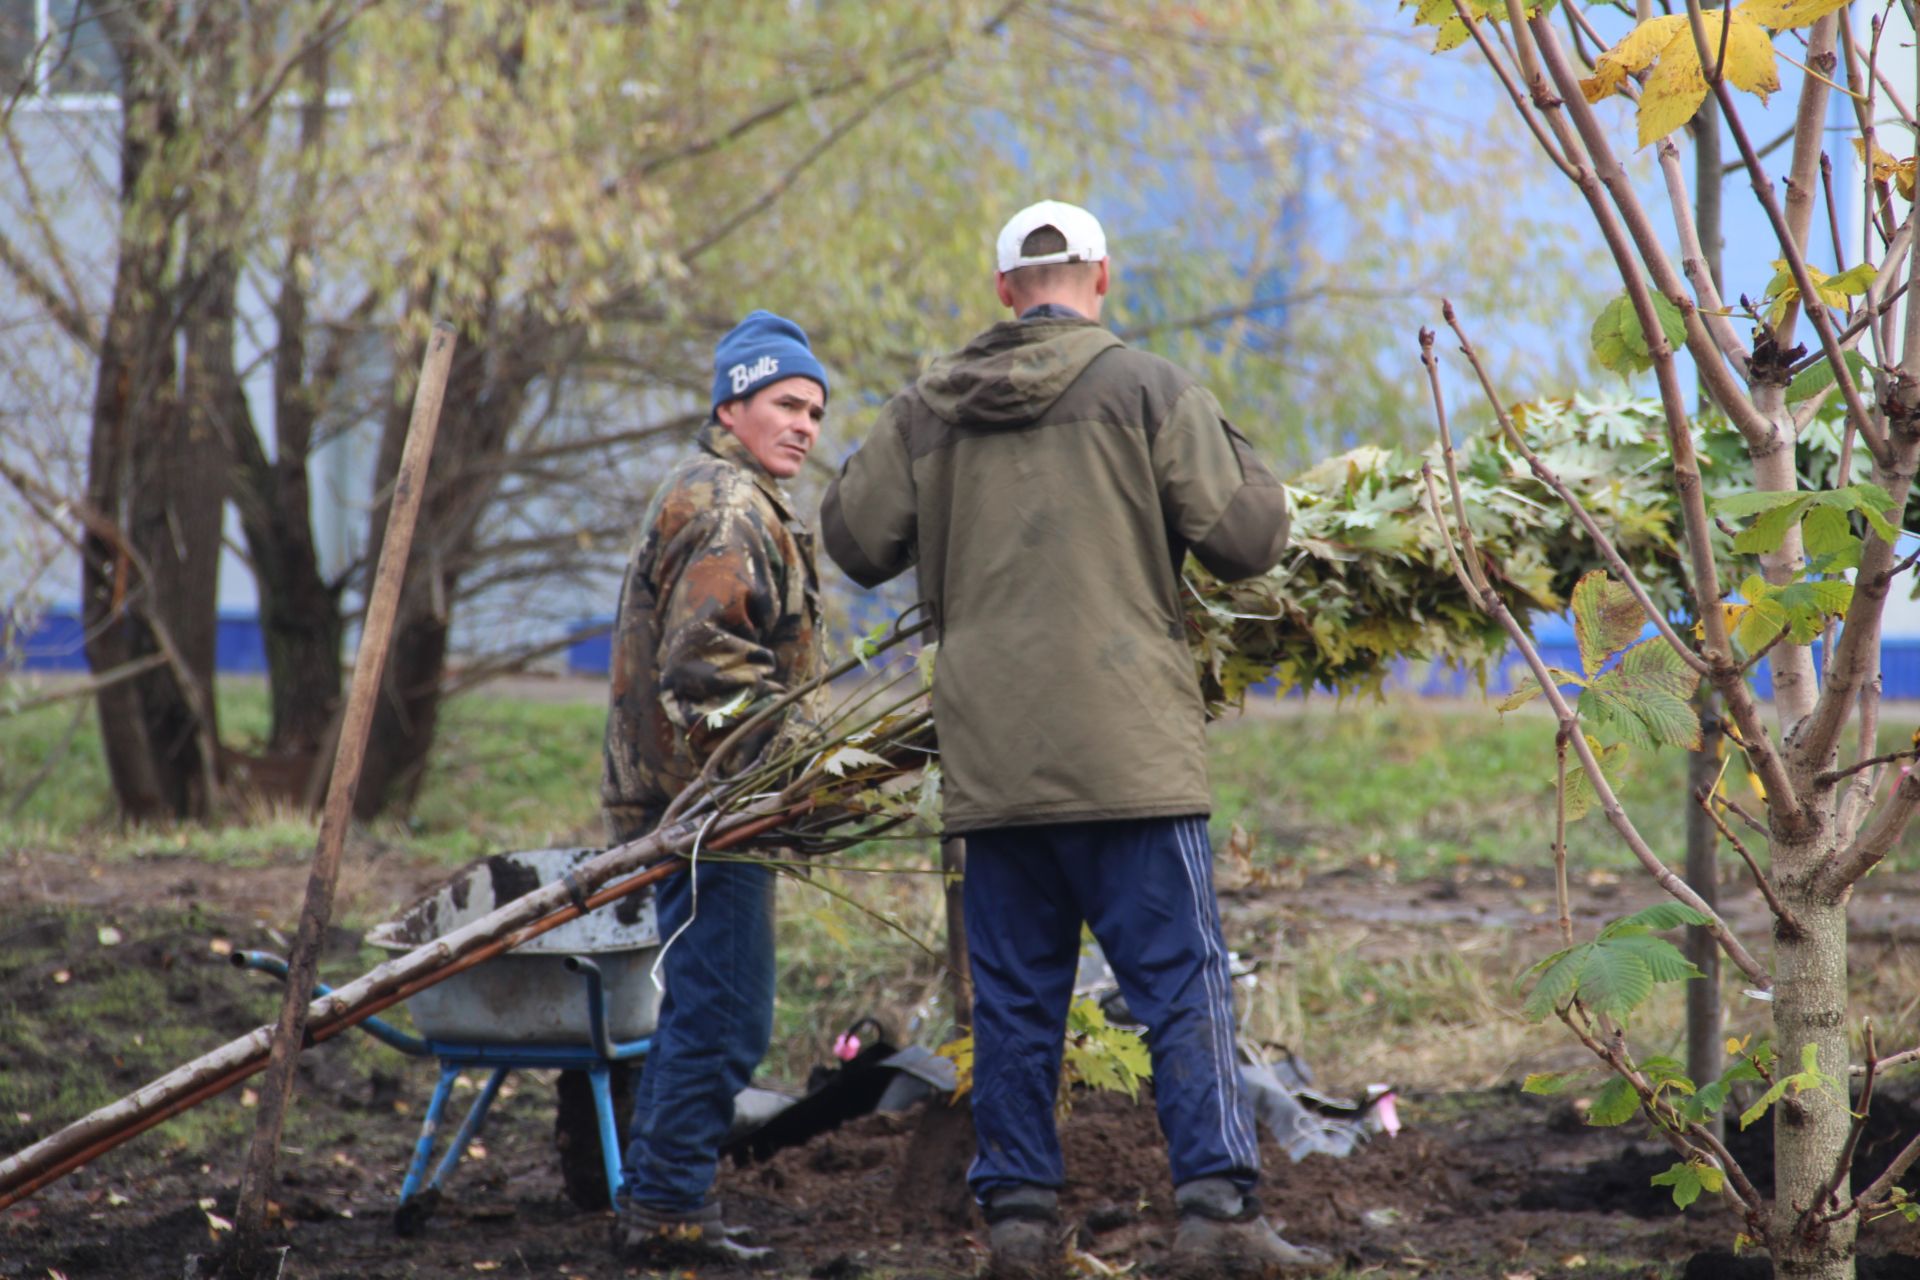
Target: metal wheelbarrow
578,998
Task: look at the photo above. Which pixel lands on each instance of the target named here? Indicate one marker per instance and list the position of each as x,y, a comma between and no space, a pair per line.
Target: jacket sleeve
1218,497
868,522
719,602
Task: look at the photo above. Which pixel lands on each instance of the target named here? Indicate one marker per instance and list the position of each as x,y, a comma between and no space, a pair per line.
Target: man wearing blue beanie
718,616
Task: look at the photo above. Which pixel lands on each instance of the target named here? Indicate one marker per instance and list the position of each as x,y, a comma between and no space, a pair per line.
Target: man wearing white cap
1048,482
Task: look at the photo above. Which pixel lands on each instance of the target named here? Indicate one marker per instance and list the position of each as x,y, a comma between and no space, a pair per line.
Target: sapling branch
1608,551
1739,811
1755,427
1893,1060
1788,923
1692,1141
1632,240
1833,212
1490,603
1468,553
1816,1214
1875,1196
1832,776
1560,894
1521,102
1871,843
1693,259
1796,261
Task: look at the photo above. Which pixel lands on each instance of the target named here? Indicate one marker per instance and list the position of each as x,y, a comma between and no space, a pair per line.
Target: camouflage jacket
719,613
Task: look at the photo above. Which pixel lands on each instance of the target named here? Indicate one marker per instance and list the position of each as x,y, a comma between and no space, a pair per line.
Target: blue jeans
1145,888
716,1019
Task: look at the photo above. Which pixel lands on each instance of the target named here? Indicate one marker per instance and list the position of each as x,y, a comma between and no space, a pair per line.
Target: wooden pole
519,921
250,1218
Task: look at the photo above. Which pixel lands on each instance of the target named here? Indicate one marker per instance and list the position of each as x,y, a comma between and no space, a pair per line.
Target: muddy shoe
1223,1236
1024,1237
660,1237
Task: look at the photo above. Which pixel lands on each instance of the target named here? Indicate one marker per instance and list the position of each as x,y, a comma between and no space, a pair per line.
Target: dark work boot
662,1237
1223,1236
1024,1237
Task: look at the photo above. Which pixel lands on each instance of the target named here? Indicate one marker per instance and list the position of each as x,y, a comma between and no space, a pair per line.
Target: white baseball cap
1086,242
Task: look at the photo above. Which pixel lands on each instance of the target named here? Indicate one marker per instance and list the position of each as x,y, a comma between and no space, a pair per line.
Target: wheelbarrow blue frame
498,1059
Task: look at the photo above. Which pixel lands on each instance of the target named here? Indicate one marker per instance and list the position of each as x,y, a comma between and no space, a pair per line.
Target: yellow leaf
1759,787
1887,169
1678,84
1634,53
1781,14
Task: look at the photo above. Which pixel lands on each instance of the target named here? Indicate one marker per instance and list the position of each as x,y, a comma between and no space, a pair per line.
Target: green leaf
1615,1104
1706,1102
1818,377
1662,959
1606,618
1659,916
1771,529
1830,541
1767,1099
1685,1181
1615,979
1759,624
1656,665
1581,793
1530,689
1750,504
1550,1082
1621,343
1853,282
1559,975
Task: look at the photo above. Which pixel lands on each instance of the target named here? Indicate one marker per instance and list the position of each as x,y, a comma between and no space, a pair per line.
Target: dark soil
1490,1185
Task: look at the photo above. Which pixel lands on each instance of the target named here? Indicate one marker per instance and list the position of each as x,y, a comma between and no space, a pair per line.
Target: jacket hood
1012,373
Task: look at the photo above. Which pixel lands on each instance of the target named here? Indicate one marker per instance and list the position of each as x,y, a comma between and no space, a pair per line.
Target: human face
778,423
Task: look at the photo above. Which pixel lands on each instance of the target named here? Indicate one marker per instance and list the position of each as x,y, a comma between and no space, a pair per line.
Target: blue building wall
56,645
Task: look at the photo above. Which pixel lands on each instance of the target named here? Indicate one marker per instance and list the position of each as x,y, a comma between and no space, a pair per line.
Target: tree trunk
1810,1128
407,715
151,474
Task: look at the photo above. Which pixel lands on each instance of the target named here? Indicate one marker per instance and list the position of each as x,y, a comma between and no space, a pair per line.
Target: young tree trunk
1810,1128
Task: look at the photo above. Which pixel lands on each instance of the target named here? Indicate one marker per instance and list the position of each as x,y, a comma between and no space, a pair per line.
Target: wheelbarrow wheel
576,1132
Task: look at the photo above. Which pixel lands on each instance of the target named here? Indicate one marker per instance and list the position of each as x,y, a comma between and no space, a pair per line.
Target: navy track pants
716,1020
1145,888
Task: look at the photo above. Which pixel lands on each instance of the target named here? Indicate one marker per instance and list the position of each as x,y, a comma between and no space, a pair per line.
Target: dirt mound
1623,1183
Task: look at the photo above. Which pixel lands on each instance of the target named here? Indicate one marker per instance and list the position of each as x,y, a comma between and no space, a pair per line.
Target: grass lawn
1396,791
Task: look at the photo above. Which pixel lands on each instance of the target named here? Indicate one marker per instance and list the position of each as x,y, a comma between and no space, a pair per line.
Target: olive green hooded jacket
1049,481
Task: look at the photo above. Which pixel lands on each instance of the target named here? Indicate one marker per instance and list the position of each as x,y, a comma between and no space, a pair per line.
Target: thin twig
1561,896
1490,603
1789,923
1832,776
1762,186
1815,1215
1468,552
87,688
1609,552
1690,1139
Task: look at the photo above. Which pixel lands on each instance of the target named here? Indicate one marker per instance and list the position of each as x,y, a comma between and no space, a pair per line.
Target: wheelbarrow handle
385,1032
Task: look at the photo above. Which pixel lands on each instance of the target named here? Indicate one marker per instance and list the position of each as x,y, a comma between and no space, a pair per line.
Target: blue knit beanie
761,349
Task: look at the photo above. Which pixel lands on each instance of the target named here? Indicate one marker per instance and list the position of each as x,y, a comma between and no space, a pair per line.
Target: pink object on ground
845,1046
1385,1113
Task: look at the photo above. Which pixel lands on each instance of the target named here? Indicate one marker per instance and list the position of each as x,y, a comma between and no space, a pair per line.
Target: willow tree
593,191
1808,566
